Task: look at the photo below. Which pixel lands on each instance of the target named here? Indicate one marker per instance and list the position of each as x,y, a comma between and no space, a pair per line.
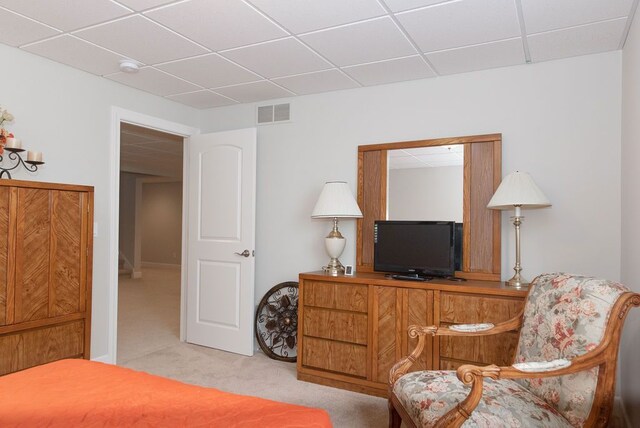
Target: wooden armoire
46,242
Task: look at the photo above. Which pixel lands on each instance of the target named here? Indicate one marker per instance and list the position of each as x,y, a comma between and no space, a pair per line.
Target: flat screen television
415,248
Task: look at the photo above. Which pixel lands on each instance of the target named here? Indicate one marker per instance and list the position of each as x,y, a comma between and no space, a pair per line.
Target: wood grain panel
348,297
336,325
4,252
32,254
451,364
480,180
337,357
418,310
385,332
472,308
497,349
66,280
33,347
372,201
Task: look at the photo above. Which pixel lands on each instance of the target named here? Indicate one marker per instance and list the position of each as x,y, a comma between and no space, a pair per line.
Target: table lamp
335,201
518,191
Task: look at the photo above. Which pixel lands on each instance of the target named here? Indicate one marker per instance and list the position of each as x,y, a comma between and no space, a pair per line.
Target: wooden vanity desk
352,329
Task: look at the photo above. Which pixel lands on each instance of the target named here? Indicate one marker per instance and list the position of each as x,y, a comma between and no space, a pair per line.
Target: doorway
150,241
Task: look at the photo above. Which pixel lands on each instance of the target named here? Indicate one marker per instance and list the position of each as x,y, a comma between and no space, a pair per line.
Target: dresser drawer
30,348
336,325
339,357
332,295
456,308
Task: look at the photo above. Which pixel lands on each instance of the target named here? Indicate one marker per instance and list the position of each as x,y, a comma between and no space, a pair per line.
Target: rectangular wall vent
274,113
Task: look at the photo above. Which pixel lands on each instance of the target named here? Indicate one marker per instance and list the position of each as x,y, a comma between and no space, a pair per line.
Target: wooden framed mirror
481,159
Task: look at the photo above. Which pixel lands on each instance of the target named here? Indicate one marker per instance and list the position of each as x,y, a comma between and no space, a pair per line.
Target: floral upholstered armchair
564,369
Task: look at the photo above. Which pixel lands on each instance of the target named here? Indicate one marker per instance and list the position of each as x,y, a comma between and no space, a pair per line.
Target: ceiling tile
393,70
174,149
151,80
67,14
461,23
399,5
440,158
367,41
252,92
436,150
77,53
405,162
278,58
201,99
321,81
545,15
139,5
301,16
17,30
582,40
478,57
210,71
142,40
218,24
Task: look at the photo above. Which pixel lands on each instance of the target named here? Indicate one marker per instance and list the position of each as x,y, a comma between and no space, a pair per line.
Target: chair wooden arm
510,325
400,368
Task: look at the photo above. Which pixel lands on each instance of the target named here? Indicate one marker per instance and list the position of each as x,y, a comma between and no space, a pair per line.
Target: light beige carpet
148,340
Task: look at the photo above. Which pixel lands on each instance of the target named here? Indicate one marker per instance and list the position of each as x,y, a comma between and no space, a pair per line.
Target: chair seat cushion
428,395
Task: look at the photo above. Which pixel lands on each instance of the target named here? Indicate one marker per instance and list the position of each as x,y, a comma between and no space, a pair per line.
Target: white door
220,262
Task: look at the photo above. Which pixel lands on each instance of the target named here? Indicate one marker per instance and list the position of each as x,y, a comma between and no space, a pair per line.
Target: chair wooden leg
394,417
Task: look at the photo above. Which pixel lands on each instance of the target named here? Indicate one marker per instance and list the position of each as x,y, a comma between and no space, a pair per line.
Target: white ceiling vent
274,113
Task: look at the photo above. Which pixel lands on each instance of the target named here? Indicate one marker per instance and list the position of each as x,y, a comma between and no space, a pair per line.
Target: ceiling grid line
284,48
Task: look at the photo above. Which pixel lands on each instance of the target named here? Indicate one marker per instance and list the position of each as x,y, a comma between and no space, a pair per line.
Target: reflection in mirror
426,183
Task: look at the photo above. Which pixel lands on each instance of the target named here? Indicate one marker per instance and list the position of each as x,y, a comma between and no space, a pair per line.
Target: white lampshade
518,189
336,200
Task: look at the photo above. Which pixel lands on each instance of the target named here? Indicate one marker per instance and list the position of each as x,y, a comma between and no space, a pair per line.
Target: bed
77,392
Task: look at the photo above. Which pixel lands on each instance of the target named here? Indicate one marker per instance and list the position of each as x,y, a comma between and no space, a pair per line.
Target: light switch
95,229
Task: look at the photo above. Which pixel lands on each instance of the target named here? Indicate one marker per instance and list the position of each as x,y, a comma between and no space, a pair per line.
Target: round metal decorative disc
277,322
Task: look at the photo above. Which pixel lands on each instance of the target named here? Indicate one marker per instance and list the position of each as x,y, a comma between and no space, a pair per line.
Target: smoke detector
128,66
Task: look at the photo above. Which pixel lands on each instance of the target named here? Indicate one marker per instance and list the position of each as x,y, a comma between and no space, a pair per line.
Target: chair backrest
565,316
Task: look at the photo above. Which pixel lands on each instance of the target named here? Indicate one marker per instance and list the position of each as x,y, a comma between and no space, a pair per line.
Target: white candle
34,156
13,143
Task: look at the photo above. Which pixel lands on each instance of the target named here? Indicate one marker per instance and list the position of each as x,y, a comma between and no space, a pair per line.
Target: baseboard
166,265
102,359
620,413
136,274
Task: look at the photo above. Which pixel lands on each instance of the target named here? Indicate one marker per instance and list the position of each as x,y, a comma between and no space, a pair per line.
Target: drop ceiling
212,53
147,151
427,157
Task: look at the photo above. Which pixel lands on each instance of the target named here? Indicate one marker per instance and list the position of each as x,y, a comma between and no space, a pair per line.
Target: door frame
119,115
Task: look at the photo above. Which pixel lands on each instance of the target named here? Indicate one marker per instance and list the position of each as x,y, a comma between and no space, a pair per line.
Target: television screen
423,248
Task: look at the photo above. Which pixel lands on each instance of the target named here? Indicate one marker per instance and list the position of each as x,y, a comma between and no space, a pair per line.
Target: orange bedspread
71,393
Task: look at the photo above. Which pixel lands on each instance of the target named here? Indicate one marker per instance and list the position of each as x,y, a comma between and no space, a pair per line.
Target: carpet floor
148,340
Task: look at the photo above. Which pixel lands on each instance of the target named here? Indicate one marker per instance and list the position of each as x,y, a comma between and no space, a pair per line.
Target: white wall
629,360
432,193
66,113
161,212
560,121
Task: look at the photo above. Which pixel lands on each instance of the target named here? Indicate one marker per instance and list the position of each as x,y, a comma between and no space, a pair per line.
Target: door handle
245,253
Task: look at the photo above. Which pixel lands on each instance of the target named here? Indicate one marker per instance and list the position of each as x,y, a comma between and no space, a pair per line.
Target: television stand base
411,277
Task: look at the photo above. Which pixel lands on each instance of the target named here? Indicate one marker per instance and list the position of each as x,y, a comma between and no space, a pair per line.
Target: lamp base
517,281
334,268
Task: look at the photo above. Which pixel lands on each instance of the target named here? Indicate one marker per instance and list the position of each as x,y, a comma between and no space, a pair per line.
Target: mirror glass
426,183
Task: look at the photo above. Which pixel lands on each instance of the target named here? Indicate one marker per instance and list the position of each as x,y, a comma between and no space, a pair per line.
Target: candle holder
14,157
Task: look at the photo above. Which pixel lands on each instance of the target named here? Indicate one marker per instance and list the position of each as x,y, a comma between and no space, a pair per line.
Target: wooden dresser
352,329
46,241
